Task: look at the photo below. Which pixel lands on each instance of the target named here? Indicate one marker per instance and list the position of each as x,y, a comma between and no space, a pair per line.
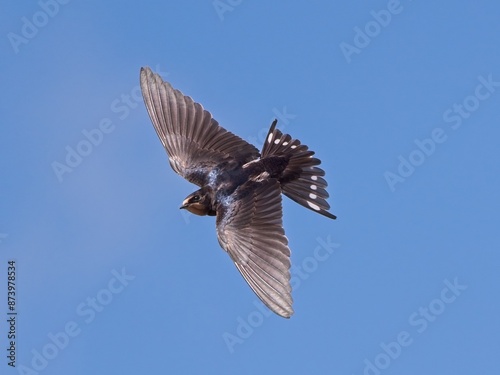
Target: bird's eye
195,199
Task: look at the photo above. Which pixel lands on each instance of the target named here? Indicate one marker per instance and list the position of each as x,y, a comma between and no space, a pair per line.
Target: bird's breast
226,180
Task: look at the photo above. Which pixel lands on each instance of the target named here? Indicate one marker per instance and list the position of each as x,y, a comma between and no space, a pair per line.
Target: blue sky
399,99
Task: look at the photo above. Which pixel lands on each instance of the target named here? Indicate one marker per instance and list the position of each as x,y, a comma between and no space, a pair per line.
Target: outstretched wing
250,229
194,141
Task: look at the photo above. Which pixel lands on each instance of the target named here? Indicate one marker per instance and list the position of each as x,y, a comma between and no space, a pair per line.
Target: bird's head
199,203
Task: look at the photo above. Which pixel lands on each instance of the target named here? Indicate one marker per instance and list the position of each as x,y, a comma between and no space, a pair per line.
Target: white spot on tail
313,206
269,137
312,196
276,141
314,178
285,143
294,146
314,187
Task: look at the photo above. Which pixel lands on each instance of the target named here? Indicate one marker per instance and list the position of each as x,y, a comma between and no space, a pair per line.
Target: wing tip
329,215
145,71
281,307
287,314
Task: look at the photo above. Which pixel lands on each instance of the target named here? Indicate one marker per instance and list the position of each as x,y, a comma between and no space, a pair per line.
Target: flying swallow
239,185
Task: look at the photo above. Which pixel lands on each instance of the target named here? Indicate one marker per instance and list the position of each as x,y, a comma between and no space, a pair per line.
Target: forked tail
302,180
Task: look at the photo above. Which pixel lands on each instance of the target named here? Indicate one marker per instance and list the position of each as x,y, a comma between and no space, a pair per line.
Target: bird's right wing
194,141
250,229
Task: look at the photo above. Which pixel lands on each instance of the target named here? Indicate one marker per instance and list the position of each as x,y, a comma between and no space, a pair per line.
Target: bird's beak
184,204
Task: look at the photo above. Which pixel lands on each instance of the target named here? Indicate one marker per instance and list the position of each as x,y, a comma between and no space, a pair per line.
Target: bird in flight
238,185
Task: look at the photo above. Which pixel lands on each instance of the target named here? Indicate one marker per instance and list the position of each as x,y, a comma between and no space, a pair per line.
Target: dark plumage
239,185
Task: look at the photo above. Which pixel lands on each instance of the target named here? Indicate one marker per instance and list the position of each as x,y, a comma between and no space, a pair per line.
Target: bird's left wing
250,229
194,141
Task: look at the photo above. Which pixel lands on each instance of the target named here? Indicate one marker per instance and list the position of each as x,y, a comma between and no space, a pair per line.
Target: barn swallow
239,185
